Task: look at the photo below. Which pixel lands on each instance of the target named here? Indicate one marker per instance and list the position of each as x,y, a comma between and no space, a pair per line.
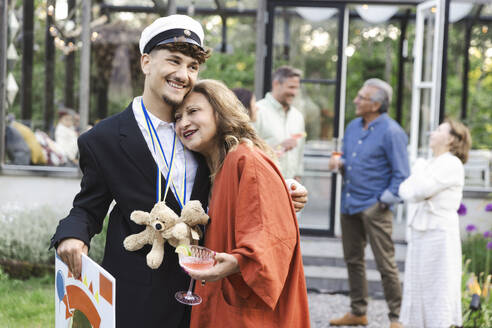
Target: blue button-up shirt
375,161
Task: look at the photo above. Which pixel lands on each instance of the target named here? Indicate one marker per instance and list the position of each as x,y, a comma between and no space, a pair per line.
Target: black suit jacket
117,165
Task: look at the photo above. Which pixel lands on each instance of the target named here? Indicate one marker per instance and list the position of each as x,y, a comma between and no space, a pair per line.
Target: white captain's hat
174,28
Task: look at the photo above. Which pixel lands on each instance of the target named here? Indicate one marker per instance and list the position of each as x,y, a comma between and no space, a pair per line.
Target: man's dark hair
285,72
244,96
187,49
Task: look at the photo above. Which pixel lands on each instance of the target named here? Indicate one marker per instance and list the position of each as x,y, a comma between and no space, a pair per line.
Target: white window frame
436,65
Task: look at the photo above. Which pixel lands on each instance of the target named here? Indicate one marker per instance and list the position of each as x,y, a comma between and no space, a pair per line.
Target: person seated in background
52,152
66,135
37,154
248,99
18,152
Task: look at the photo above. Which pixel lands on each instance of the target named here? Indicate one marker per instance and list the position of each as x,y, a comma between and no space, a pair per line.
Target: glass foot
188,299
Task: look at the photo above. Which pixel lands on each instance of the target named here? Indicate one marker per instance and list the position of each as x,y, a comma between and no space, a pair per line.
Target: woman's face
441,137
195,124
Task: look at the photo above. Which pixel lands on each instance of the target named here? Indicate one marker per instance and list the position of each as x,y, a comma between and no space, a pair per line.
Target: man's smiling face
170,75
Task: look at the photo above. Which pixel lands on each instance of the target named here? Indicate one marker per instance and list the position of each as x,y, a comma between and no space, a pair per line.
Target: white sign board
88,301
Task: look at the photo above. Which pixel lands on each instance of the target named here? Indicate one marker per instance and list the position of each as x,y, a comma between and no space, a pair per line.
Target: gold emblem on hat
187,32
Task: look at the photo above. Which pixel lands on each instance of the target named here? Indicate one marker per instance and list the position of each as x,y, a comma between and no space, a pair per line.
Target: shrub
483,316
25,234
474,247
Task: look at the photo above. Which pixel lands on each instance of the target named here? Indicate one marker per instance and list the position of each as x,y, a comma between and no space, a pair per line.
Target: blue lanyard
153,133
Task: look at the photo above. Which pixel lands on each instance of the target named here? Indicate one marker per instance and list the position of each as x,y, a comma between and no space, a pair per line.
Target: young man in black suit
119,163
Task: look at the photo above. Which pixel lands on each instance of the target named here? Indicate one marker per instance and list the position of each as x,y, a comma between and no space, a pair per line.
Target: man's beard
171,102
175,103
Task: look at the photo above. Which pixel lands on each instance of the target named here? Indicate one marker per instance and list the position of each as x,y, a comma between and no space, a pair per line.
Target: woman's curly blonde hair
233,123
461,144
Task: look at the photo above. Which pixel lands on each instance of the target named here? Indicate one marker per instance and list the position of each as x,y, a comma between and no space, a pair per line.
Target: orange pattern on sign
106,288
79,300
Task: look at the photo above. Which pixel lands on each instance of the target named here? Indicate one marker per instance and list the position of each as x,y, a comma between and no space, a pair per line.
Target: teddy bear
162,225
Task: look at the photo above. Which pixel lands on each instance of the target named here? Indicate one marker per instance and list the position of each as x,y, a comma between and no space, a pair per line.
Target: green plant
235,70
96,251
27,303
474,247
3,275
25,234
481,317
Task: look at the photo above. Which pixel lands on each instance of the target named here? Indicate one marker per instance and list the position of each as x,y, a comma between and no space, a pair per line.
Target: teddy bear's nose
158,226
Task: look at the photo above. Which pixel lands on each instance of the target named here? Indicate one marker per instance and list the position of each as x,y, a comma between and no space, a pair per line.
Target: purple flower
488,207
487,234
462,209
489,245
470,228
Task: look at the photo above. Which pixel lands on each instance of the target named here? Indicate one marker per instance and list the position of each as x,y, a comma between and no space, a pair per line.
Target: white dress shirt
165,131
274,125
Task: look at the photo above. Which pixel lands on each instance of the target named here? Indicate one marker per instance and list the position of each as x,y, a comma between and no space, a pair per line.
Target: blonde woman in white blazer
432,283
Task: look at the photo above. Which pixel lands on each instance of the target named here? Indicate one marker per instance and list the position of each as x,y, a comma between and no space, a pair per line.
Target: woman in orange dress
258,279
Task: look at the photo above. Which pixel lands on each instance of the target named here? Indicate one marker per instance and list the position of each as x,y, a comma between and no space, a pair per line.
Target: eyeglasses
363,98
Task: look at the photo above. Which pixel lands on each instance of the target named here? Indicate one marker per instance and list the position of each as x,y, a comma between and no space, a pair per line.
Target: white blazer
435,189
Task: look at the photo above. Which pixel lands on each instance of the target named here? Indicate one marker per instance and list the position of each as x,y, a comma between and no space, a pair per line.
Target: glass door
311,38
426,76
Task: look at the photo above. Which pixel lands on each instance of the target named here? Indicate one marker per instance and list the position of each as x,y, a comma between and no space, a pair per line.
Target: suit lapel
135,147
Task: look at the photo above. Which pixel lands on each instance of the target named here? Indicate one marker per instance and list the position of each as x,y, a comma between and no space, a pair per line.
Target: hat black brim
173,36
180,40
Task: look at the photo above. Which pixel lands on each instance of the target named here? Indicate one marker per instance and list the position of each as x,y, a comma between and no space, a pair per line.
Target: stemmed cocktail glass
195,258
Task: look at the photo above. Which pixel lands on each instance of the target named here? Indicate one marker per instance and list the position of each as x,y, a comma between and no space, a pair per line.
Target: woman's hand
298,194
226,264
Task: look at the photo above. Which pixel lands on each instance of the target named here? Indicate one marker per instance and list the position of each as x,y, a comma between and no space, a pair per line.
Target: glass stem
190,288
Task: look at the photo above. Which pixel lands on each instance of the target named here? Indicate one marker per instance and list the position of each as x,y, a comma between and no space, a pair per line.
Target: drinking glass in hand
193,258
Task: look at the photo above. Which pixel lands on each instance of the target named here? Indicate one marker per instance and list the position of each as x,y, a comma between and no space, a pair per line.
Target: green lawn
28,303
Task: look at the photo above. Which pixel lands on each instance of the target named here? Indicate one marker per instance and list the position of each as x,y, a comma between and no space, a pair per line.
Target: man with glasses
373,164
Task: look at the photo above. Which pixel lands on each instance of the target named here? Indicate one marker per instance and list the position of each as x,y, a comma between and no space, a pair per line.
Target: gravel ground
324,307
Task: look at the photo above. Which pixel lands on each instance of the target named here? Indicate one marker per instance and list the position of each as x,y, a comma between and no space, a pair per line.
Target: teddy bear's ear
140,217
193,208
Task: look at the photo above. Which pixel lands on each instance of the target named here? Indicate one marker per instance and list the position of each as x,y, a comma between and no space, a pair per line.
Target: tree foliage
375,55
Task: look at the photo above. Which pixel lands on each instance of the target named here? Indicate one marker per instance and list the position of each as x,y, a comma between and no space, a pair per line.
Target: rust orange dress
252,217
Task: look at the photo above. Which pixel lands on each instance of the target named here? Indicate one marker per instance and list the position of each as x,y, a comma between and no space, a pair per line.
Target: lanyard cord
153,133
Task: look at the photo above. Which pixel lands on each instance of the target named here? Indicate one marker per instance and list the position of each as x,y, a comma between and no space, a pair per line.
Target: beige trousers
374,224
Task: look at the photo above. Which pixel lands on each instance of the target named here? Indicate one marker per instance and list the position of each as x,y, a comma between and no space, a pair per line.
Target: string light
240,6
191,9
51,10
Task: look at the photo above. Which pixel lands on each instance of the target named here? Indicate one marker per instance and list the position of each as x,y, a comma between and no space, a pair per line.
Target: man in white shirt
280,124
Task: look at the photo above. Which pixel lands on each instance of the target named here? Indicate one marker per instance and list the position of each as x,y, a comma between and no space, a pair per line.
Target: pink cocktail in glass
199,258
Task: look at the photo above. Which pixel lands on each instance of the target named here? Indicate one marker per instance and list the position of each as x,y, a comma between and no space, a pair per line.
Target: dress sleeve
425,182
265,231
90,205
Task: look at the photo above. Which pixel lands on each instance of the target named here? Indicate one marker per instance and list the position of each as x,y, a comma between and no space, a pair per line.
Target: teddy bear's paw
131,243
154,260
140,217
